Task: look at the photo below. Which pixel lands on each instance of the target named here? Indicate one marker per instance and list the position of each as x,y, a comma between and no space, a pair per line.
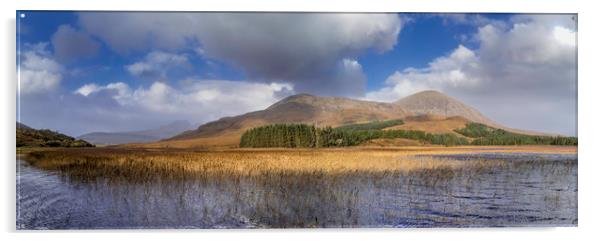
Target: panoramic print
203,120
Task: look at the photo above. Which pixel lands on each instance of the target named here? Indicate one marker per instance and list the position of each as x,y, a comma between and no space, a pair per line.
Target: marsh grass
276,187
137,165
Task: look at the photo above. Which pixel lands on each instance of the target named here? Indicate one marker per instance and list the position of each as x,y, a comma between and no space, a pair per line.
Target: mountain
149,135
429,111
432,102
112,138
301,108
30,137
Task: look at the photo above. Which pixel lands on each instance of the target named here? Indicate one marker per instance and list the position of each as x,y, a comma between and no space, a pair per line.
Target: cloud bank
529,63
312,51
120,107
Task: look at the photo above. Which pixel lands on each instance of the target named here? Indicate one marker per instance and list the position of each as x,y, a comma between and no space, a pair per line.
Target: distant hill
149,135
30,137
435,103
427,111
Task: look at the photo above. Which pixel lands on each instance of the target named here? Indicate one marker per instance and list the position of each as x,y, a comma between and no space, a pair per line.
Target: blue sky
112,71
106,65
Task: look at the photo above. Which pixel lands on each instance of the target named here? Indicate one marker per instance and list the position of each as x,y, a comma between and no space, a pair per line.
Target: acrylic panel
202,120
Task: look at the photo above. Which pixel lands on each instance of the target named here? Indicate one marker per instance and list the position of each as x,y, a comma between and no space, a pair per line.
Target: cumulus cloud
38,71
87,89
138,31
70,44
118,105
450,71
209,98
156,64
530,63
312,50
469,19
121,89
301,48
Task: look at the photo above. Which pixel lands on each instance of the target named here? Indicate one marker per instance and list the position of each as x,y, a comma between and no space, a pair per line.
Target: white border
589,117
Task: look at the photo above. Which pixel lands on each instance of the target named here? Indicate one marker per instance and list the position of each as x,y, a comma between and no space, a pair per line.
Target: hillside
438,104
429,111
431,123
149,135
30,137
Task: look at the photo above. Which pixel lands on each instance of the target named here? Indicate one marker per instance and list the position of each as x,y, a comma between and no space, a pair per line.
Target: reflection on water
534,190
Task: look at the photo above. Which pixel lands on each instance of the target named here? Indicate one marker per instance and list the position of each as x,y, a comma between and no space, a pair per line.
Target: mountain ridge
141,136
424,110
302,108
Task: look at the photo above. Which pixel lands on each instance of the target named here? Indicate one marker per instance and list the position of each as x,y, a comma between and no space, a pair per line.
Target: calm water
533,190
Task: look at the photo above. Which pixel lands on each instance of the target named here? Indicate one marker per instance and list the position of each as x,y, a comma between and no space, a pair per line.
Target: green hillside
29,137
486,135
301,135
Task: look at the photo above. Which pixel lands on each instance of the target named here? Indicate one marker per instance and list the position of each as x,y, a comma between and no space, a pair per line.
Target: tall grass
145,165
178,164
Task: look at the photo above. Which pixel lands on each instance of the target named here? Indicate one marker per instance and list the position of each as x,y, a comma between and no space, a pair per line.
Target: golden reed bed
149,163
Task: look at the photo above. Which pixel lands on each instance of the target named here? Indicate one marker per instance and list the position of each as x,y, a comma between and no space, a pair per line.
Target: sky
81,72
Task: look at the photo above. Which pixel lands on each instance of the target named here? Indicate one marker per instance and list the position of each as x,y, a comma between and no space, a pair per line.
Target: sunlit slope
435,124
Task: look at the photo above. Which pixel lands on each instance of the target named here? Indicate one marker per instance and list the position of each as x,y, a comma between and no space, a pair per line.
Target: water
534,190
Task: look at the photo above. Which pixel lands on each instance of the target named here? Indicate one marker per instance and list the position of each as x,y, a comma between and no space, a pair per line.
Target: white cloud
121,90
120,107
208,98
565,36
305,49
38,71
308,49
451,71
530,63
196,100
156,64
70,44
87,89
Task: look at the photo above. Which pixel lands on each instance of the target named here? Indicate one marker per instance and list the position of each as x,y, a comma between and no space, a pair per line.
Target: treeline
486,135
309,136
301,135
340,137
281,135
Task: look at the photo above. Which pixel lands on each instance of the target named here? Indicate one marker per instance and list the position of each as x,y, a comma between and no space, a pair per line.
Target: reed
178,164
